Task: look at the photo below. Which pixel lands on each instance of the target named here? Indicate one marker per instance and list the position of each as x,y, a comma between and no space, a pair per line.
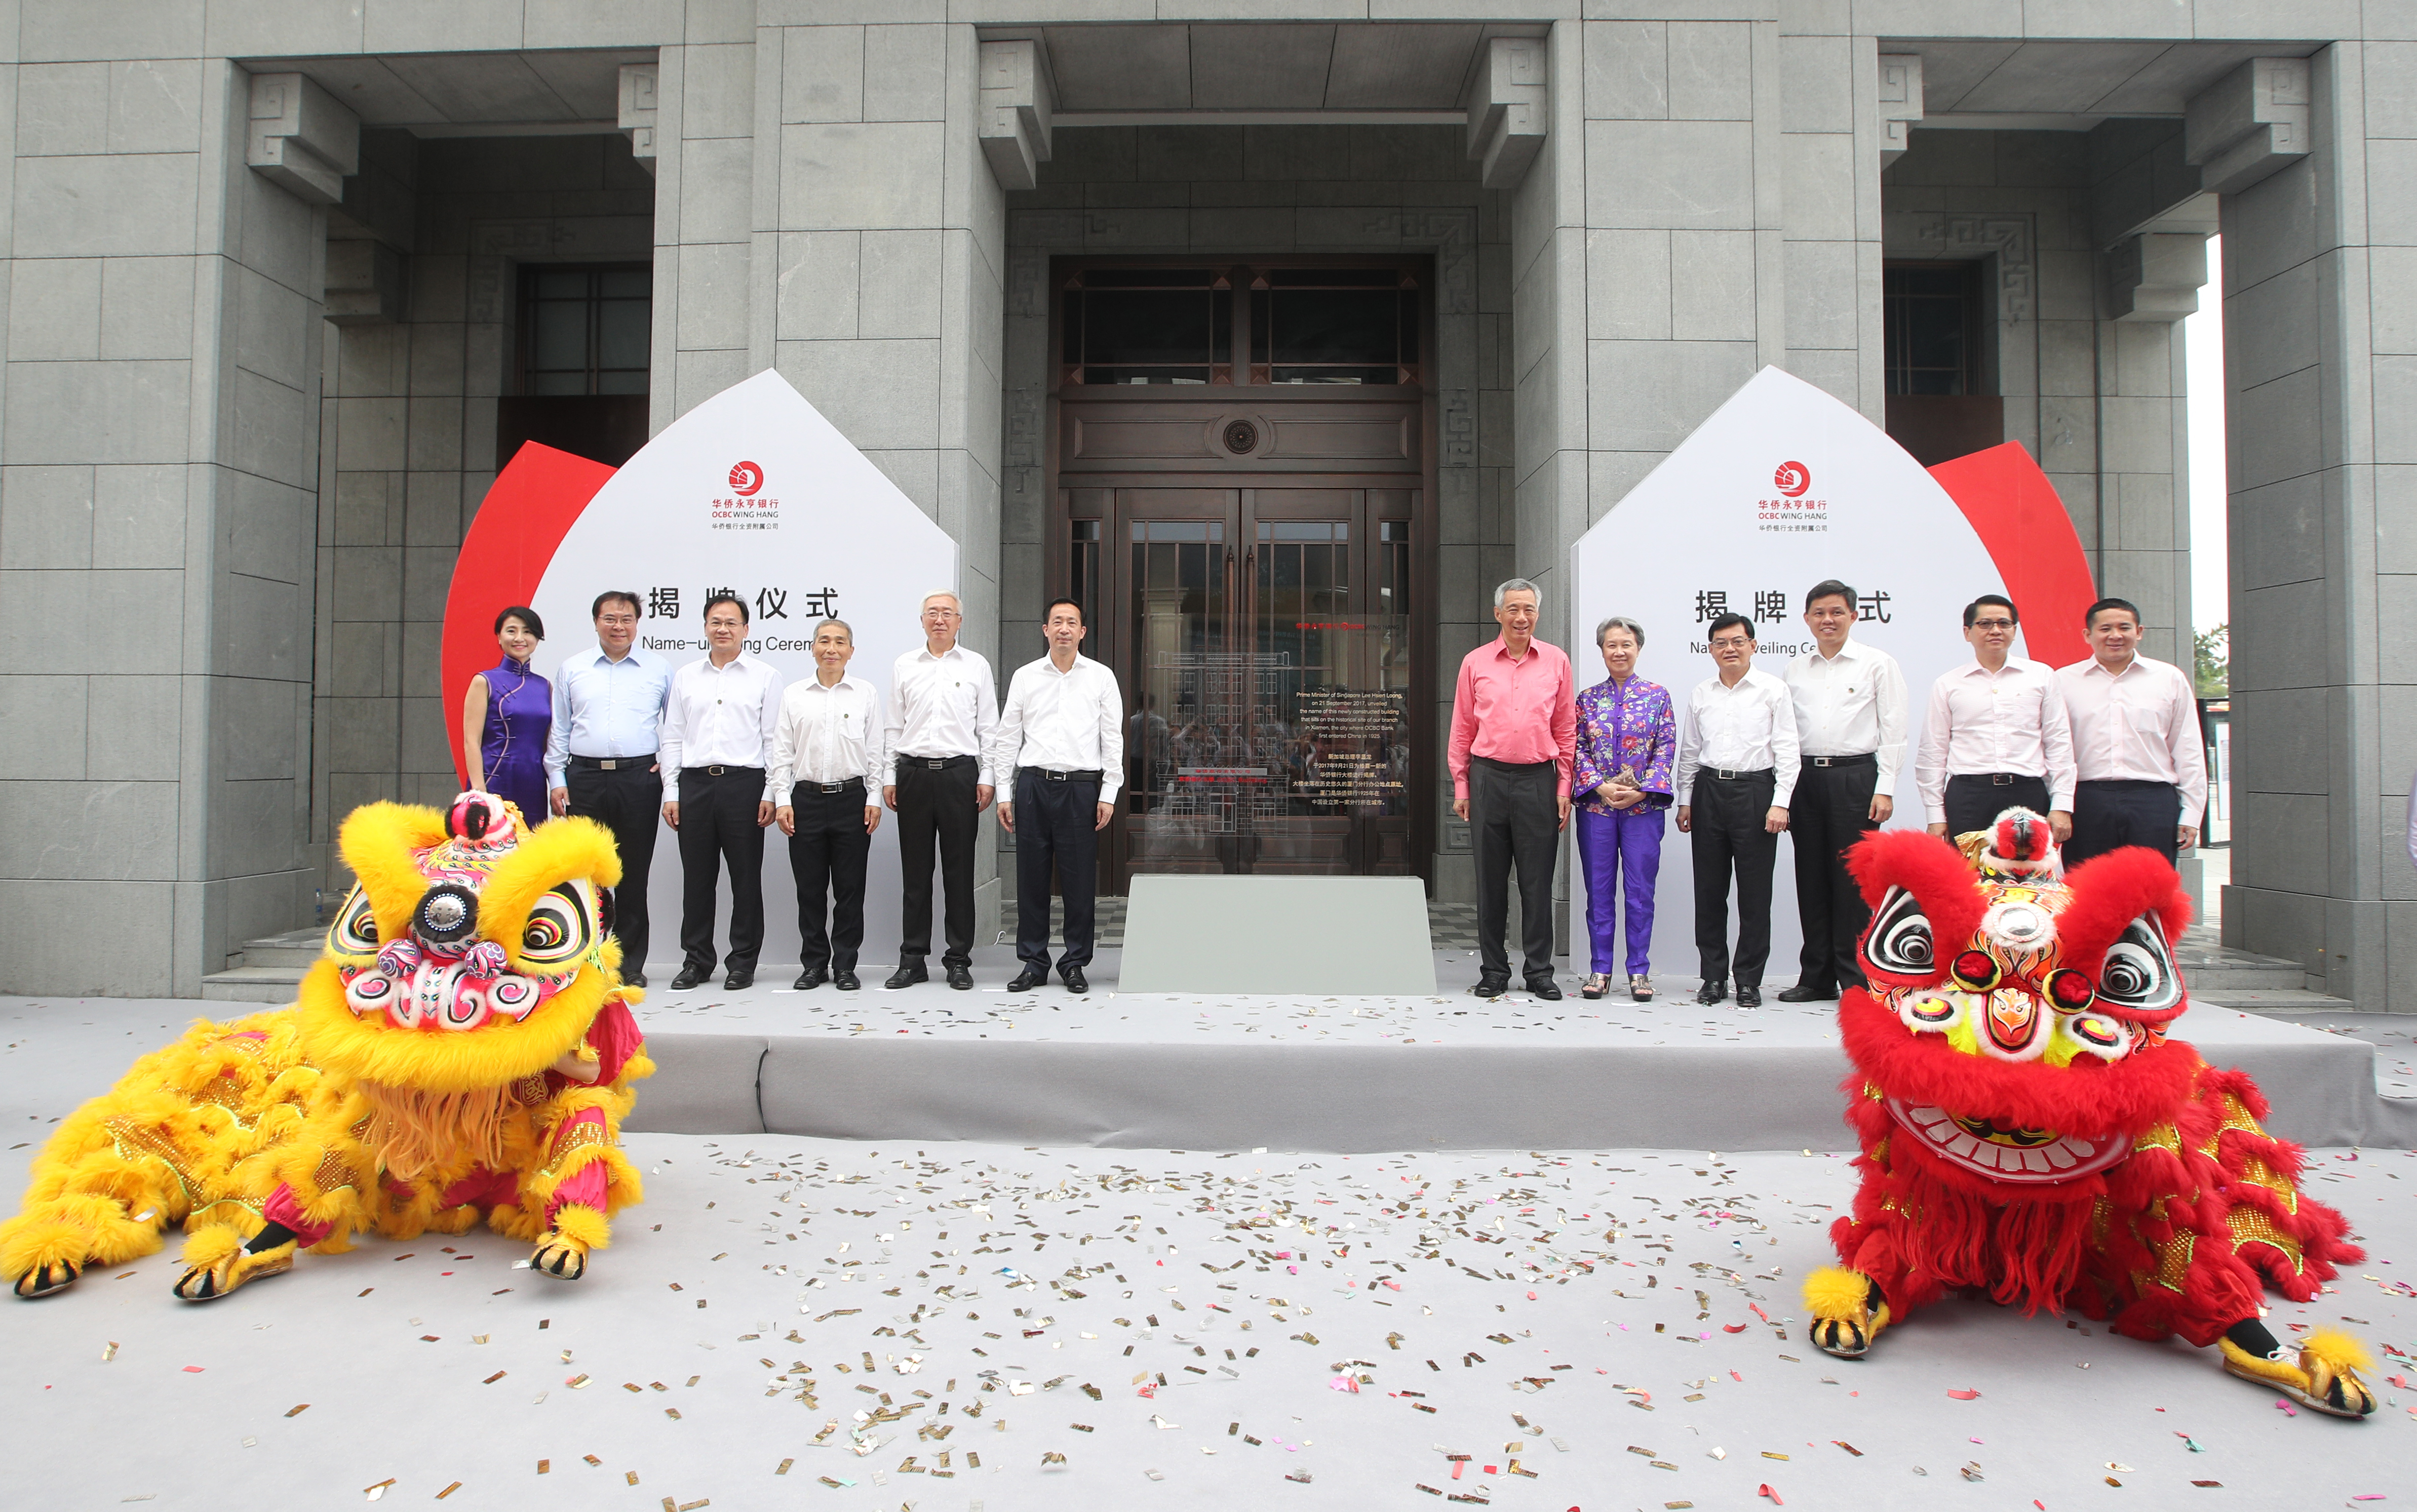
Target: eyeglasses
616,619
1993,625
942,614
1731,642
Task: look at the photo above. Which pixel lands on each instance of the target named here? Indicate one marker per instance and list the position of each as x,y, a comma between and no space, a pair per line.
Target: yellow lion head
473,951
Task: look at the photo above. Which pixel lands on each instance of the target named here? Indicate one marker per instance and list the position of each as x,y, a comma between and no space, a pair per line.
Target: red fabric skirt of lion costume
2029,1130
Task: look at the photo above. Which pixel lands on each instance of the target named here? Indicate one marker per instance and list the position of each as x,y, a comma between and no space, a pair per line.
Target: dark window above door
1307,321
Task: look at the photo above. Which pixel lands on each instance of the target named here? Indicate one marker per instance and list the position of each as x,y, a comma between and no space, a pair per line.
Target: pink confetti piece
193,1369
1965,1395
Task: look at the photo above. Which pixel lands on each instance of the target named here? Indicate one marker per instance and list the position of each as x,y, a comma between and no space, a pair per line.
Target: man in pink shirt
1515,735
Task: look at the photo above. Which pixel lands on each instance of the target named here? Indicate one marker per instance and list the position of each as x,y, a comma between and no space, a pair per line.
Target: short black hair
1832,588
1727,621
596,610
537,626
730,598
1074,604
1972,609
2089,616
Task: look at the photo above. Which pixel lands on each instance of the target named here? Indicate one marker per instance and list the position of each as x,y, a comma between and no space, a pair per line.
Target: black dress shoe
691,978
845,981
812,977
635,978
1749,997
961,978
908,974
1545,988
1801,993
1712,993
738,981
1076,981
1490,987
1028,978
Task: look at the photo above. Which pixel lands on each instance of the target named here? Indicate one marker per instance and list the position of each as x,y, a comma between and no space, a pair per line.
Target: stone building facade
271,270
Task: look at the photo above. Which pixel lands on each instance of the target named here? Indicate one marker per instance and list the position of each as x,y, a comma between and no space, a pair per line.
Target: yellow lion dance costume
464,1049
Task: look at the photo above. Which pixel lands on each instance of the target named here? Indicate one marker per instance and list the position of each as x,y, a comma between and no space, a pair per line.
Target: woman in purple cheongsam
1627,740
506,717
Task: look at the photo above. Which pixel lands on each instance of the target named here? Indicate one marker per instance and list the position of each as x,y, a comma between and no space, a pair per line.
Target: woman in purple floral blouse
1627,740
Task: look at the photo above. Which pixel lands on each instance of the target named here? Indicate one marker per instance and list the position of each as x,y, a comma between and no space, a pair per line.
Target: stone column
2320,373
155,523
885,228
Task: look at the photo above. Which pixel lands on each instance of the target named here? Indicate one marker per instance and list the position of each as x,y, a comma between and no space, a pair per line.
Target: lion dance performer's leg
1877,1284
319,1198
182,1137
584,1178
2216,1216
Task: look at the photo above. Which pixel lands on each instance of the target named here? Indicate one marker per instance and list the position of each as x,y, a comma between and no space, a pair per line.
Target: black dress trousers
2113,813
935,808
1726,834
1974,800
718,826
1831,810
1056,837
827,855
1514,817
628,801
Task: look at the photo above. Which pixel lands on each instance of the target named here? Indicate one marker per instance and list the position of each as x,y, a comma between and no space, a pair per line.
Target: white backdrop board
1780,487
755,491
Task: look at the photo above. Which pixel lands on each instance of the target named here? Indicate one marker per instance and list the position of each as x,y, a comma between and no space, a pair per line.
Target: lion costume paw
562,1253
216,1263
1847,1309
2324,1378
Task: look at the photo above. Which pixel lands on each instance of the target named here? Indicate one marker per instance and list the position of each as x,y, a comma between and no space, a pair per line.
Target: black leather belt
1047,776
614,763
1998,780
936,763
854,784
1727,775
1866,759
721,771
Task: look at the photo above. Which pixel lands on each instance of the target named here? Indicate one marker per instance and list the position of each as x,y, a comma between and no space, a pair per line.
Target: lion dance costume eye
463,1050
2028,1127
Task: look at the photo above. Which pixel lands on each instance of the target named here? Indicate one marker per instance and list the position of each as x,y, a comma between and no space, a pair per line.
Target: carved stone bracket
1901,103
301,138
1509,109
640,95
1016,107
2249,123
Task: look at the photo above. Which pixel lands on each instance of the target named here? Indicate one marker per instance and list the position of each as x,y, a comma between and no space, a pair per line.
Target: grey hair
1517,586
842,624
1619,622
948,594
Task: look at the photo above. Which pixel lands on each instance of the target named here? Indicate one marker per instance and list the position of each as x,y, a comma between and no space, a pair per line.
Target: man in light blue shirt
599,757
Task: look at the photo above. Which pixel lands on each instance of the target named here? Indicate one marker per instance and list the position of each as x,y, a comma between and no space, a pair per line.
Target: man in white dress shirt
943,709
1061,747
2140,769
1737,773
826,769
600,756
1994,736
1850,713
718,736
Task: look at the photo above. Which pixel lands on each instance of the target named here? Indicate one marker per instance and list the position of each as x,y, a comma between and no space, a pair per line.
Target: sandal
1640,987
1596,986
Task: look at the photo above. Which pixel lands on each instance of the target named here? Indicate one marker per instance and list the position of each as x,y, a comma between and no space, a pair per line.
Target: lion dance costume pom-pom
464,1049
2030,1129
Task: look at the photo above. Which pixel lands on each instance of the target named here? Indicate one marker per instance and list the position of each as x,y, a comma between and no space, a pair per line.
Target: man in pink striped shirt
1515,735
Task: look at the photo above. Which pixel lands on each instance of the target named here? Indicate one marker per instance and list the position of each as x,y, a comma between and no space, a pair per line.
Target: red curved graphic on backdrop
527,513
2014,510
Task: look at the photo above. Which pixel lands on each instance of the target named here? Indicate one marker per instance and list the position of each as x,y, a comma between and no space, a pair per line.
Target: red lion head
2014,1024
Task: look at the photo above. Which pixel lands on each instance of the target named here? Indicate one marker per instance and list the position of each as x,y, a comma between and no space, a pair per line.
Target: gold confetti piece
1051,1456
493,1379
297,1408
671,1412
593,1461
449,1491
784,1467
633,1477
691,1507
1768,1455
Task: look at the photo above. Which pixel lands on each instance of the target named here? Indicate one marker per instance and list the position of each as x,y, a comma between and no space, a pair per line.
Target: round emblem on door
1242,437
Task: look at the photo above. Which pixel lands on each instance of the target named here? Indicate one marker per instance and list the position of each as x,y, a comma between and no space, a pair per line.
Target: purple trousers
1609,843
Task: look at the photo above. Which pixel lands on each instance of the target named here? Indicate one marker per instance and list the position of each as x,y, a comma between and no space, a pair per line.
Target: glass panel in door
1184,727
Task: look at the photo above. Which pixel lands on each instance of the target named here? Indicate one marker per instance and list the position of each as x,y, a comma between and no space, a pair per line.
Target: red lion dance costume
2028,1130
463,1050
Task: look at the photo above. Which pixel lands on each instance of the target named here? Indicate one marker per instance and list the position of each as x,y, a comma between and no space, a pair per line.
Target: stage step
1450,926
272,971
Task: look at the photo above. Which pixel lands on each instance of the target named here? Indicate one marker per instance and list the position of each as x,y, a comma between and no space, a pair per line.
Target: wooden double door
1267,640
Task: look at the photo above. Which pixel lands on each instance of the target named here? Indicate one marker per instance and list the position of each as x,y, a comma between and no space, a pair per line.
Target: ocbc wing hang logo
1792,512
745,507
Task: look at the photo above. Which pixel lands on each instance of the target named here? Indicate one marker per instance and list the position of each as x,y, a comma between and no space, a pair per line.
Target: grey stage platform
1203,1071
